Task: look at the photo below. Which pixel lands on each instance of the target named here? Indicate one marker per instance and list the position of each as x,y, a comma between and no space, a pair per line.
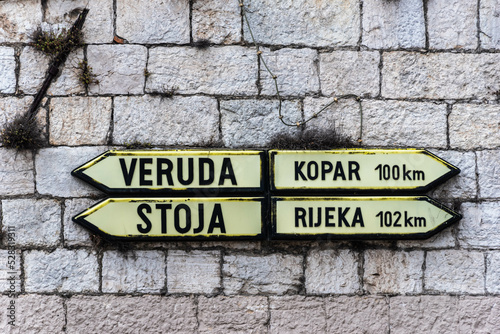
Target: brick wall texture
407,73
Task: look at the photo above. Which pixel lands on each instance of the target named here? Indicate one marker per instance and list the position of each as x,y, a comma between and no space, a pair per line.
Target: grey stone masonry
493,272
490,24
16,175
16,27
297,314
479,228
7,70
74,234
216,21
487,167
34,65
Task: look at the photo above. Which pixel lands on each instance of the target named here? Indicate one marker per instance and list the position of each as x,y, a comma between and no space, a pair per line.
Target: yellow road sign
204,173
357,170
359,217
176,218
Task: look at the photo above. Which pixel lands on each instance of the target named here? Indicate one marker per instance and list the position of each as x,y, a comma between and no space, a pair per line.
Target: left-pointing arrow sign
204,173
176,218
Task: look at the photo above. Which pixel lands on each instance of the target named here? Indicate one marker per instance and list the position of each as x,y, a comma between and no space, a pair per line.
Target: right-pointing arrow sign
358,170
359,217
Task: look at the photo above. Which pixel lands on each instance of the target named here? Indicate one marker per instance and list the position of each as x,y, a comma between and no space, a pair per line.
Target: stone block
230,70
61,271
393,272
153,21
452,24
393,24
478,314
489,24
296,71
479,228
36,222
297,314
423,314
7,70
33,70
454,271
493,272
16,174
74,234
10,271
276,274
440,75
216,21
132,272
332,271
34,314
474,126
233,314
54,166
487,168
343,117
118,68
128,315
184,270
401,123
321,23
165,121
444,239
255,122
68,80
369,315
462,185
98,26
79,120
350,72
18,28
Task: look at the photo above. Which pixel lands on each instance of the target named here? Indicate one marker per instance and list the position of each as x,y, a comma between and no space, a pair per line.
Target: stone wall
406,73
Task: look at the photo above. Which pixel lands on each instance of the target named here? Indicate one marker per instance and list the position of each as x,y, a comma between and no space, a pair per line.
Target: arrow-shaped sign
357,170
203,173
359,217
176,218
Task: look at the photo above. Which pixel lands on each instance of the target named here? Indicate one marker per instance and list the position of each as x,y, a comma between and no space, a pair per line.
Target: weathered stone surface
350,72
489,13
474,126
137,271
344,116
79,120
322,23
479,228
68,80
423,314
193,272
33,70
401,123
118,68
7,70
462,185
332,271
452,24
16,27
297,314
153,21
128,315
454,271
34,314
54,166
393,24
444,239
254,122
478,314
487,167
61,271
37,222
493,272
216,21
166,121
74,234
10,272
233,314
296,71
275,273
369,315
16,174
98,27
440,75
387,271
226,70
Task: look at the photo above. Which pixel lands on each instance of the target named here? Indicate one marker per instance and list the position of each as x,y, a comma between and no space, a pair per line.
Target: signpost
359,217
